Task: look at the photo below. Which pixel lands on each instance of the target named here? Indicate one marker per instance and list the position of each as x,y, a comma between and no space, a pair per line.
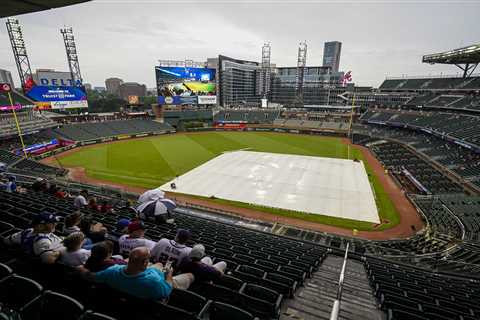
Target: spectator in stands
73,255
122,225
39,241
52,189
94,231
72,222
141,281
172,250
11,185
202,267
128,205
101,257
80,201
135,238
92,204
59,193
38,184
105,207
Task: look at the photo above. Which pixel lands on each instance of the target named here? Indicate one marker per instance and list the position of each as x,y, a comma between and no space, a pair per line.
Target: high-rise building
87,86
6,77
113,84
331,55
238,81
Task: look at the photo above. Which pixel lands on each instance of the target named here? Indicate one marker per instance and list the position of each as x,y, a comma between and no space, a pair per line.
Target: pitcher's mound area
315,185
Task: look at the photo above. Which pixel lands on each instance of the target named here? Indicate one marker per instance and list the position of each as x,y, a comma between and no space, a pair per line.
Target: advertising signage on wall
10,108
58,97
185,85
55,78
176,100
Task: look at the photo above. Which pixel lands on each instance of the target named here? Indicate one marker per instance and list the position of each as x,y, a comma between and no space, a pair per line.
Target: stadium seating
97,130
266,273
28,120
430,83
177,117
256,292
399,159
273,272
266,269
249,115
408,293
18,164
460,160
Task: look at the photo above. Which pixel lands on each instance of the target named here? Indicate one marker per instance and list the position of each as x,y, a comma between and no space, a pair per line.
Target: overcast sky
120,38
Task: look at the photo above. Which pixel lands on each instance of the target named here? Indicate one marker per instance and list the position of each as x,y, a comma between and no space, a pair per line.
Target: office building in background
331,55
112,85
127,89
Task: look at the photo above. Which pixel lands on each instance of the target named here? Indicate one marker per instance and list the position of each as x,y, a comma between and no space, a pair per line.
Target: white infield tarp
327,186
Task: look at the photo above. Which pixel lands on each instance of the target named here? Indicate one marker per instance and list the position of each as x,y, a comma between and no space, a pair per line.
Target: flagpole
18,125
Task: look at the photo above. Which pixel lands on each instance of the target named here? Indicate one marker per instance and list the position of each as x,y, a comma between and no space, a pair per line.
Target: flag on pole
347,77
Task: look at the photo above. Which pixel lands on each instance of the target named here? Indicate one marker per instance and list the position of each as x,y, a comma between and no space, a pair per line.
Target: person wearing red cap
135,238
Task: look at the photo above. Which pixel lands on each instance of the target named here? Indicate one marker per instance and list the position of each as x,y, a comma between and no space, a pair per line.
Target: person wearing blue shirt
140,280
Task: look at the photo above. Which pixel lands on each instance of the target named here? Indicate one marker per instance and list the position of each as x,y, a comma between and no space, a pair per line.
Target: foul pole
18,124
349,134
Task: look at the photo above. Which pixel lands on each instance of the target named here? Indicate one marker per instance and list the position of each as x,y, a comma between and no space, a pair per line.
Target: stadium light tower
19,51
266,52
301,64
72,56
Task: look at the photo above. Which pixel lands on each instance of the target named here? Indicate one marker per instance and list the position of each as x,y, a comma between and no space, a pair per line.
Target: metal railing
336,303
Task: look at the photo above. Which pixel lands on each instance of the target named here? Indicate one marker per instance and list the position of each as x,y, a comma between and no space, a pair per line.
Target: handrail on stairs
336,303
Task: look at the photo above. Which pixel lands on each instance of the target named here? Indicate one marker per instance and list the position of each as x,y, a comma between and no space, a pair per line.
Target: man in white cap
202,267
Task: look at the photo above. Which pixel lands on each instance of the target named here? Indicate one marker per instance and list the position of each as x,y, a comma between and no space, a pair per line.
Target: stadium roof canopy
10,8
468,56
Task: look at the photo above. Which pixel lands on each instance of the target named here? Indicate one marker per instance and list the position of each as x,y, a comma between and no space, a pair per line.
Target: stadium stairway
315,299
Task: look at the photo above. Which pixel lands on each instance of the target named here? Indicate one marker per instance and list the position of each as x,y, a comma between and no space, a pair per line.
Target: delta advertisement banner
55,78
58,97
186,85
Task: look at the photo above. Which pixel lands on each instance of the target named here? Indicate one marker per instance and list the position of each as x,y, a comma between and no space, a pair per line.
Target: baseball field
153,161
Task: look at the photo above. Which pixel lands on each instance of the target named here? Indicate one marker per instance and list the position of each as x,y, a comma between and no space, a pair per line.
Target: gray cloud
126,38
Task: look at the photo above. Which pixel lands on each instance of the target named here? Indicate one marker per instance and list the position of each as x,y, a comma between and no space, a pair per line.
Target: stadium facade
321,86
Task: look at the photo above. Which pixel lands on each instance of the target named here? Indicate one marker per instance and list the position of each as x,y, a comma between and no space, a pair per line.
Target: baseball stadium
242,190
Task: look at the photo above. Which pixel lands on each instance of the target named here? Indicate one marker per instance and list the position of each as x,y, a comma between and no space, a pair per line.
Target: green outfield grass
153,161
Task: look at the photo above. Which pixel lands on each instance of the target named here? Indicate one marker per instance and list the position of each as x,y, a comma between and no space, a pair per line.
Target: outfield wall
101,140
